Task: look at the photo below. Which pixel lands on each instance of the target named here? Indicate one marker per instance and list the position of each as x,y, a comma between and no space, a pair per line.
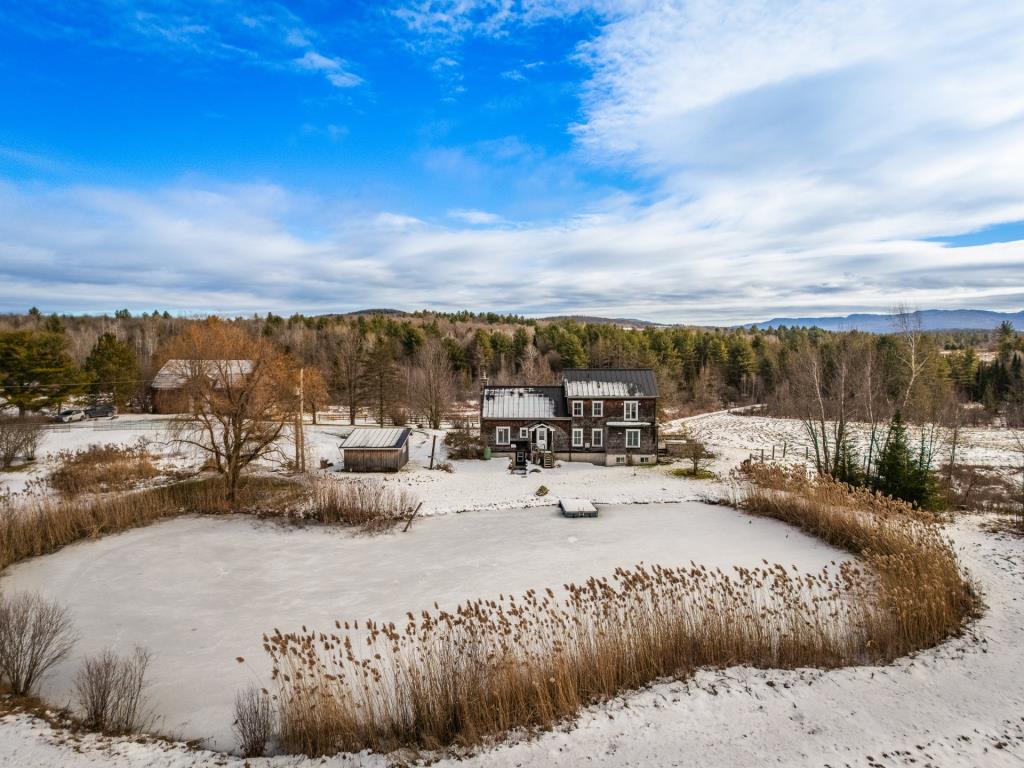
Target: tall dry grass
39,525
367,504
492,666
100,468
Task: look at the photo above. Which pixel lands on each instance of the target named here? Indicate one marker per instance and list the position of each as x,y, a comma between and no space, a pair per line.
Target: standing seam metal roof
524,403
373,437
610,382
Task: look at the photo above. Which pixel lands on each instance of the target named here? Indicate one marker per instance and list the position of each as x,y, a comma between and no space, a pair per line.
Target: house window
524,433
597,438
620,459
597,408
503,435
577,437
577,407
632,438
631,410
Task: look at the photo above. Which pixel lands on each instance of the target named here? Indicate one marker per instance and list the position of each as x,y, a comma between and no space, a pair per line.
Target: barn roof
174,373
610,382
374,437
524,403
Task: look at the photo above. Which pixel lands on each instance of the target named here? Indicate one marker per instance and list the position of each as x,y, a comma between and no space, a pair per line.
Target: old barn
372,449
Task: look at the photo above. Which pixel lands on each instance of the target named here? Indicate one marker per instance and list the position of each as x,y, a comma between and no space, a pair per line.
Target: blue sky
679,161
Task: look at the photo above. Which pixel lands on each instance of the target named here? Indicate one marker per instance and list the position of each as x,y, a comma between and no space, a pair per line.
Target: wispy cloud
335,70
471,216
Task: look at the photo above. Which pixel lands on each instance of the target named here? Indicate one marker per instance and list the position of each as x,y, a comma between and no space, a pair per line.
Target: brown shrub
101,468
110,690
254,720
19,437
35,634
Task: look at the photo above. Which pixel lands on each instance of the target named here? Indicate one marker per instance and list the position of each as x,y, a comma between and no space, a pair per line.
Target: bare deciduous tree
35,634
346,346
433,382
242,395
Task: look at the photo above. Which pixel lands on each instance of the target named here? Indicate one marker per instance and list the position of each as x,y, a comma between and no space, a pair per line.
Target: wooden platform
577,508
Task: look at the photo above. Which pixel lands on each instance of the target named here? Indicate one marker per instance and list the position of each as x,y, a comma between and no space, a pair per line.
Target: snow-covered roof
609,382
174,373
373,437
523,403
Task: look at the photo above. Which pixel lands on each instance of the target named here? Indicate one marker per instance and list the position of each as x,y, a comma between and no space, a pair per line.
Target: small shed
372,449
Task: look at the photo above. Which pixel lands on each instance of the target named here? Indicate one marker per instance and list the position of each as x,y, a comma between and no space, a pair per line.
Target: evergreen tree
36,371
899,473
113,369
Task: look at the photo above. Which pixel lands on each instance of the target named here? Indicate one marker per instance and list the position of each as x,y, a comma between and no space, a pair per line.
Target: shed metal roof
610,382
374,437
524,403
174,373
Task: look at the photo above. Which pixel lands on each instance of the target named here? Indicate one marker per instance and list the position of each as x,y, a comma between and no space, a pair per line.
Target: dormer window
577,407
631,410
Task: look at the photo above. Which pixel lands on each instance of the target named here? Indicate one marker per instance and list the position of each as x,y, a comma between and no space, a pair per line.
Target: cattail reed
460,678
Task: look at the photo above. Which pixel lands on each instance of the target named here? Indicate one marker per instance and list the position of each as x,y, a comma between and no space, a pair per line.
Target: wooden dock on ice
577,508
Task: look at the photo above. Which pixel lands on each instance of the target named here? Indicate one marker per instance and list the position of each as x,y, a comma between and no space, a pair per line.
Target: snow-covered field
200,591
231,579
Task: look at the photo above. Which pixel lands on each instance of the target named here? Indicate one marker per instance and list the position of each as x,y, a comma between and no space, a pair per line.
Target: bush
19,437
254,720
110,691
35,634
97,468
464,443
368,504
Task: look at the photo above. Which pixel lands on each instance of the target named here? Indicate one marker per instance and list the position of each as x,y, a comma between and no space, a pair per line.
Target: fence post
773,451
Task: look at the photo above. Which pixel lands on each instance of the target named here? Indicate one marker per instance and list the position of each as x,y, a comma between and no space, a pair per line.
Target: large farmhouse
601,415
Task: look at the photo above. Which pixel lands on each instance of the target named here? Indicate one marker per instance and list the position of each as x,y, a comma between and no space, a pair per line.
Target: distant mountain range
931,320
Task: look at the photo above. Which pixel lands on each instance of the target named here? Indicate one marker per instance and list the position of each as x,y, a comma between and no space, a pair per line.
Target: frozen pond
199,591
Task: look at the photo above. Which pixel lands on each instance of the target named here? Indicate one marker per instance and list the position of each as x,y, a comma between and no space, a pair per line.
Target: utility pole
300,438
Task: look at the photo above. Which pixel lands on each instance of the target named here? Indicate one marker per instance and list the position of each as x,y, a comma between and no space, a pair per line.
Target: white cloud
471,216
333,69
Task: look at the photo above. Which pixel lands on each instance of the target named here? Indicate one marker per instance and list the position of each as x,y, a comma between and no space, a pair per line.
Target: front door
542,438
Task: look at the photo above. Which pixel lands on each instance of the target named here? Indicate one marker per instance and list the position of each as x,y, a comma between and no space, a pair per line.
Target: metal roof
524,403
174,373
374,437
609,382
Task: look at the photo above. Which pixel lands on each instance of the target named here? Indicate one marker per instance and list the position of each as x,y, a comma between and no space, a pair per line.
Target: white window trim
630,432
524,433
597,438
497,435
597,408
636,410
577,437
576,403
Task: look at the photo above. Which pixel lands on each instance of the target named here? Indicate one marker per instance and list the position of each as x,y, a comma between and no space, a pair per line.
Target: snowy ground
199,592
960,704
956,705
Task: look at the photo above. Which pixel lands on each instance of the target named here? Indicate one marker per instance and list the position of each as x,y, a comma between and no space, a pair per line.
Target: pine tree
36,371
899,472
113,369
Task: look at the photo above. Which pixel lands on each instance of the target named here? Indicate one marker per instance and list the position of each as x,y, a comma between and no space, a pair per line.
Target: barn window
597,408
632,438
503,435
631,410
577,407
577,437
597,438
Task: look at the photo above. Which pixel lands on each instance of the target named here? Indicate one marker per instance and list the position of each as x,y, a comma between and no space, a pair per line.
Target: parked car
101,412
70,414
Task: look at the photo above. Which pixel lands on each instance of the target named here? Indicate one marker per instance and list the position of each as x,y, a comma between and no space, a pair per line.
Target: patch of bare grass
101,468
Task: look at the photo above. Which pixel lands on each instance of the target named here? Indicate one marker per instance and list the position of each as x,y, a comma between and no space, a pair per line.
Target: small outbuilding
372,449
